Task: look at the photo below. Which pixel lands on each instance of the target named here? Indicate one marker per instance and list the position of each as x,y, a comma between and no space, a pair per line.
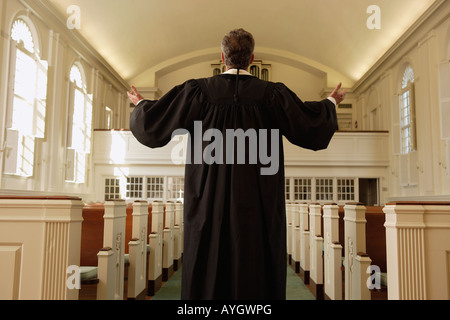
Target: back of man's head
237,47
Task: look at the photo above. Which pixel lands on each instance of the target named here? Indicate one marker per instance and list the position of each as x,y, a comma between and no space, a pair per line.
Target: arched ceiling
135,36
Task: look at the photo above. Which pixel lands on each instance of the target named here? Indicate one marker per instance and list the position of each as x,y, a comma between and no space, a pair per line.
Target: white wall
424,49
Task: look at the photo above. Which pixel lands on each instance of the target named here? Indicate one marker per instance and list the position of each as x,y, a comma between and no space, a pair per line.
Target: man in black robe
234,206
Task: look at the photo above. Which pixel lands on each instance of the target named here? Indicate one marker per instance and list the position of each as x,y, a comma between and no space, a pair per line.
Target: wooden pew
316,245
168,240
91,233
375,244
375,247
178,236
304,243
154,282
92,242
40,240
375,234
138,252
111,258
289,231
295,237
332,256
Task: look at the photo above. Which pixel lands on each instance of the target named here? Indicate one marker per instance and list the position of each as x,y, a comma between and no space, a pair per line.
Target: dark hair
237,47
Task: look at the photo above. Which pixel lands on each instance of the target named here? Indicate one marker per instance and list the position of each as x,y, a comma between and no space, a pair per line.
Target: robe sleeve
154,121
309,125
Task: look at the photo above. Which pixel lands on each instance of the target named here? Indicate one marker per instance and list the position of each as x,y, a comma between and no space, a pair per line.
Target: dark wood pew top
13,197
412,203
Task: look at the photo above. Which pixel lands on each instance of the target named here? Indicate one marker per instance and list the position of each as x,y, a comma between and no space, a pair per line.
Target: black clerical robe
234,216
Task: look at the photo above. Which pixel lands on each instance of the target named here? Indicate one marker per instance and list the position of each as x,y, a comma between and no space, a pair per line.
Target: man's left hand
134,95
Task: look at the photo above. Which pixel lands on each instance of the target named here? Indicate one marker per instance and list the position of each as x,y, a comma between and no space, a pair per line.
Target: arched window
407,112
20,32
26,100
79,127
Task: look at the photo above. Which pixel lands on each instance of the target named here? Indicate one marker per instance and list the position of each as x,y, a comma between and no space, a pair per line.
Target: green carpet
295,288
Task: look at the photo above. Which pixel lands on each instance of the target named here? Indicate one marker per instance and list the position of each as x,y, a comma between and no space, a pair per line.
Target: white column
40,237
332,253
137,271
114,238
304,243
355,245
316,241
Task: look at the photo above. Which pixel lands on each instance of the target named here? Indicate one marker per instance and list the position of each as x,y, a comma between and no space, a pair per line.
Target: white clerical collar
241,72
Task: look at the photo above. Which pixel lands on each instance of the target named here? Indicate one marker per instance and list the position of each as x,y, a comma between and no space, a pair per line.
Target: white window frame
325,192
407,120
79,130
142,186
175,184
20,141
299,192
135,186
112,188
407,112
407,148
287,189
339,193
161,192
346,189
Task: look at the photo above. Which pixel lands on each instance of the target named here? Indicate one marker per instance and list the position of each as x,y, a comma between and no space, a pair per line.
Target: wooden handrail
428,203
13,197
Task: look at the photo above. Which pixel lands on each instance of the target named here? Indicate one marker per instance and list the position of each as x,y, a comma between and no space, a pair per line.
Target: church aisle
295,288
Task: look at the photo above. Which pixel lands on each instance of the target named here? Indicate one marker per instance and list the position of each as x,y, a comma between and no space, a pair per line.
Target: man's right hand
338,96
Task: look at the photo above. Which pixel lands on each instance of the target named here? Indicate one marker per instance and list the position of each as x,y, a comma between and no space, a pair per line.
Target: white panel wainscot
356,148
